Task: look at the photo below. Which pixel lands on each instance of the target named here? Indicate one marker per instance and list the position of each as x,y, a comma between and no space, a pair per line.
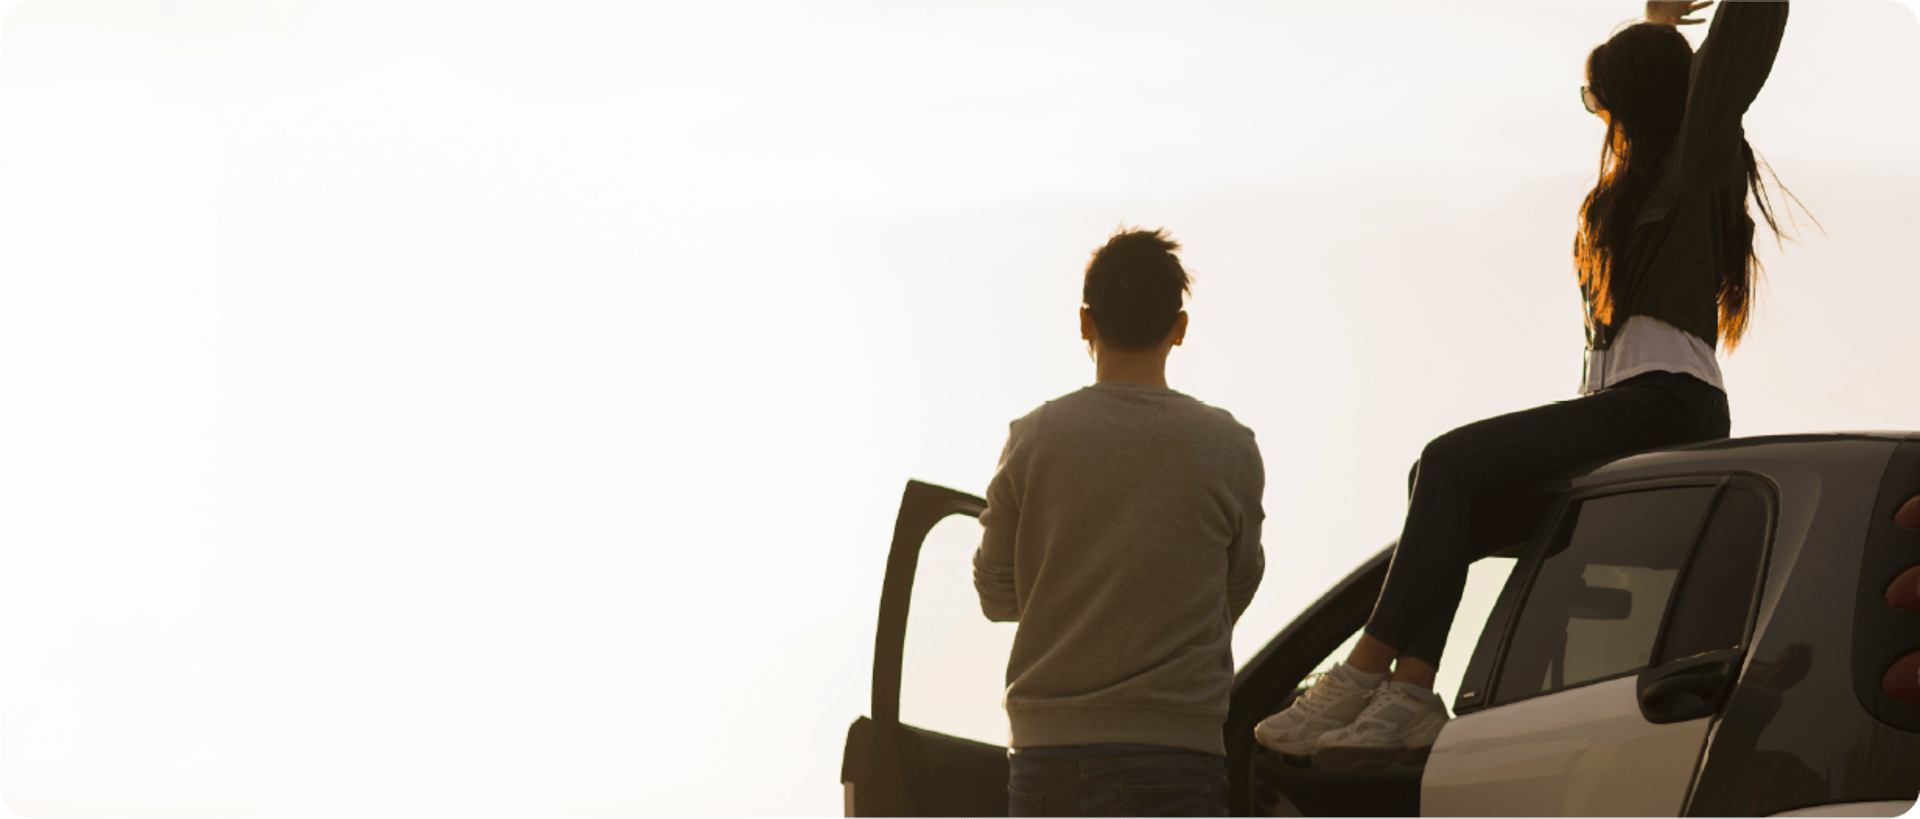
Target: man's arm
1246,559
993,562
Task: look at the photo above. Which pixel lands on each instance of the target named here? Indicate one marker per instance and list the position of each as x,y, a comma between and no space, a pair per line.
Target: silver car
1729,628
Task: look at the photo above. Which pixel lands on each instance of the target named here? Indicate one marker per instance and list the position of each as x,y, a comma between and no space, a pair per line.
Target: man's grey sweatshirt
1122,532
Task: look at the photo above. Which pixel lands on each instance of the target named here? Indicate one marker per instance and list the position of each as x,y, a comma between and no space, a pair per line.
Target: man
1122,532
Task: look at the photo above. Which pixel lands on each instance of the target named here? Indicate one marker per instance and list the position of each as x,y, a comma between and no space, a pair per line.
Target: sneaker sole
1301,747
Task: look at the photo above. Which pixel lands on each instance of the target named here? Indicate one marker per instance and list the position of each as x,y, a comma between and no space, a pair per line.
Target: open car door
890,768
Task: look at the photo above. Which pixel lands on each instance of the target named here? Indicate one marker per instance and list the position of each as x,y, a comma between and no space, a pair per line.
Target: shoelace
1375,704
1316,694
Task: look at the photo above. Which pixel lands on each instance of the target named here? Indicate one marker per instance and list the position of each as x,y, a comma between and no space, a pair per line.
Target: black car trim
921,506
1476,684
900,770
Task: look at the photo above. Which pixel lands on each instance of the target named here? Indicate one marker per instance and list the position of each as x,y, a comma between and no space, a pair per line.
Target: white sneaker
1334,700
1397,724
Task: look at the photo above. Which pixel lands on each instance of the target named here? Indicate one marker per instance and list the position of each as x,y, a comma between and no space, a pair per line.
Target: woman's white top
1646,344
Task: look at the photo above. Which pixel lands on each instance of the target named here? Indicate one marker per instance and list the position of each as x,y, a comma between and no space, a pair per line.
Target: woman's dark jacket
1671,268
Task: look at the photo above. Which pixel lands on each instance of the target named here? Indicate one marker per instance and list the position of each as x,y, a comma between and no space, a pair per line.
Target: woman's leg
1428,573
1417,602
1386,719
1372,656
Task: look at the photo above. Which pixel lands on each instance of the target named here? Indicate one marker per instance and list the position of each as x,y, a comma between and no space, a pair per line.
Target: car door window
953,674
1717,593
1595,605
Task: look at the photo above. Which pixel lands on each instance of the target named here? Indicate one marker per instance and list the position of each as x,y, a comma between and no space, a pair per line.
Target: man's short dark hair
1133,288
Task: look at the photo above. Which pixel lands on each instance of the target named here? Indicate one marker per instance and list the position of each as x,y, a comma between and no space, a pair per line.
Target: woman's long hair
1639,77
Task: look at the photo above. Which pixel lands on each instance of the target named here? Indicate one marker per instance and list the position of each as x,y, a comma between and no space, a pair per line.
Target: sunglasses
1587,99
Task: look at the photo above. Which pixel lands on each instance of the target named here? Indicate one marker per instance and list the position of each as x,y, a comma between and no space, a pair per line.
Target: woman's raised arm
1728,71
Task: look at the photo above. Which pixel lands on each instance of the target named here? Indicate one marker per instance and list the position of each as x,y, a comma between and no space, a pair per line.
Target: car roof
1826,450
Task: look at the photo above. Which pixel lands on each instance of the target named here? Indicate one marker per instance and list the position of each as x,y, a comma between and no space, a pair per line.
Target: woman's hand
1674,12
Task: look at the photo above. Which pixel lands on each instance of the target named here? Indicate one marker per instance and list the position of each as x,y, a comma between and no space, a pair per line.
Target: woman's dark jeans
1429,568
1115,780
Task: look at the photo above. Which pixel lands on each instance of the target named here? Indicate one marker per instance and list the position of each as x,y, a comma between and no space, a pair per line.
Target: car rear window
1711,613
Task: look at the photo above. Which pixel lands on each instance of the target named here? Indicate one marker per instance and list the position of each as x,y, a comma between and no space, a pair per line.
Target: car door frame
1491,652
889,768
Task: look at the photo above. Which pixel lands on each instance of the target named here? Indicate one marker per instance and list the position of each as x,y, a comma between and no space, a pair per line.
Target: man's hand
1675,12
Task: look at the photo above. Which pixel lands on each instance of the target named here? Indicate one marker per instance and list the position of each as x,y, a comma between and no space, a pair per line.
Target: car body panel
1884,808
1584,751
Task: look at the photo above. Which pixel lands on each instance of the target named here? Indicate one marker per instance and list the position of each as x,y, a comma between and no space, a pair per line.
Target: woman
1666,267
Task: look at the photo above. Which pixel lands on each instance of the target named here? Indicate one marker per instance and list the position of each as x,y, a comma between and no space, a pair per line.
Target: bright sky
500,409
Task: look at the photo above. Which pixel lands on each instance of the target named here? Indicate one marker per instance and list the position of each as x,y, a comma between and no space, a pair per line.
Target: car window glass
1595,606
953,674
1485,578
1711,612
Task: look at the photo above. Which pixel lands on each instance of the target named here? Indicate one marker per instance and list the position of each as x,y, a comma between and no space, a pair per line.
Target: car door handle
1701,683
1683,696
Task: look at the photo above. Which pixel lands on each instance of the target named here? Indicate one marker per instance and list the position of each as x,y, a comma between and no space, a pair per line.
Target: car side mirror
1600,603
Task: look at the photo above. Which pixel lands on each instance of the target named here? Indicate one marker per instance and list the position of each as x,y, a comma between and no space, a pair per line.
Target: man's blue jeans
1115,780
